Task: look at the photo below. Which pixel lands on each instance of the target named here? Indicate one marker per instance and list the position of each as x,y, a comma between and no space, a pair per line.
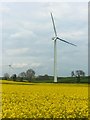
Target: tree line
78,74
28,75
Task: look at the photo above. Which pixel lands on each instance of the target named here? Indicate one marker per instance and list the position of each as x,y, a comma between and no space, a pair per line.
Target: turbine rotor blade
53,25
66,41
10,66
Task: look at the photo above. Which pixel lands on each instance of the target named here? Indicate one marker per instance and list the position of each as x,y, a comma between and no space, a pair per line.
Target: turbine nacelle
10,66
54,38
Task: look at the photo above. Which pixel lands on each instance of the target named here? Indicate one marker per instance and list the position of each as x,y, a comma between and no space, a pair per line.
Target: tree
78,76
80,73
14,77
72,74
22,76
46,77
30,73
6,76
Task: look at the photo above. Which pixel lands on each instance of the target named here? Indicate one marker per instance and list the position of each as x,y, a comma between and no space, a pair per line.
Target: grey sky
27,36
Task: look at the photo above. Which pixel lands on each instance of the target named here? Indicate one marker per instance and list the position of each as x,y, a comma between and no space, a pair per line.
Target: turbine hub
54,38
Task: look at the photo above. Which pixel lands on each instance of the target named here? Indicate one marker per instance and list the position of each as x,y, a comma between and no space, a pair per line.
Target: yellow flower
44,100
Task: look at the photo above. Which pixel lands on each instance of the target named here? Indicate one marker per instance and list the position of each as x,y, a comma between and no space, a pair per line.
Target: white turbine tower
55,48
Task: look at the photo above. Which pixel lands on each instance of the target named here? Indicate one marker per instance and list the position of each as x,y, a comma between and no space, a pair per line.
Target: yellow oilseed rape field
45,100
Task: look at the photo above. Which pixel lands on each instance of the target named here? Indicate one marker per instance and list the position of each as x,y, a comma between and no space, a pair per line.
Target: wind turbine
55,48
10,67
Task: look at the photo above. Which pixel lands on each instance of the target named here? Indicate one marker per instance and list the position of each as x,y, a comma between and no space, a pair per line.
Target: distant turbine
55,48
10,67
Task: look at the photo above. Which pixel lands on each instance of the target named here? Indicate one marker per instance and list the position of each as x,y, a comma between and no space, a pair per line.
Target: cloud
4,9
19,65
43,1
24,33
27,33
23,65
74,35
35,65
11,0
19,51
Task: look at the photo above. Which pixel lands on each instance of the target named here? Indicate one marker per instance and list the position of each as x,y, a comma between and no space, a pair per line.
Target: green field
50,79
63,80
44,100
